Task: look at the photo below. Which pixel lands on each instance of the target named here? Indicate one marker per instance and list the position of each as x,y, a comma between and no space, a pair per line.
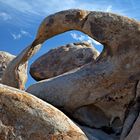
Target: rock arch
114,76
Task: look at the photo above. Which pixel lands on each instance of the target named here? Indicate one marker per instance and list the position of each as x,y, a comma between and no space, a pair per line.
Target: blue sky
19,21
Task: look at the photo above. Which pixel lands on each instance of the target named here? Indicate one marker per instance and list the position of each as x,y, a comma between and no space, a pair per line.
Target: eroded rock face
15,75
108,113
25,117
110,82
5,58
11,73
63,59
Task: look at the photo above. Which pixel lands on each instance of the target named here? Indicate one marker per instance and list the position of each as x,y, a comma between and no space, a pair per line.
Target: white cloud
32,10
84,38
22,33
41,7
74,36
109,8
78,37
16,36
25,33
5,16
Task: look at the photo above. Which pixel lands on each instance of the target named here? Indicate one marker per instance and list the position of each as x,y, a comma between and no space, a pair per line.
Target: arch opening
62,39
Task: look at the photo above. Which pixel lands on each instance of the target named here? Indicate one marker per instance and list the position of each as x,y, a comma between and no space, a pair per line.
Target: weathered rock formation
63,59
106,89
109,83
5,58
25,117
15,74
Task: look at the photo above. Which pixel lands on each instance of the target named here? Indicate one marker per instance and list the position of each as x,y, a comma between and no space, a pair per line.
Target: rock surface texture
109,83
5,58
25,117
63,59
103,95
15,74
135,131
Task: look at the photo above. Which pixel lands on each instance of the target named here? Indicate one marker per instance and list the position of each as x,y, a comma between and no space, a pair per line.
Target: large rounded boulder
25,117
63,59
